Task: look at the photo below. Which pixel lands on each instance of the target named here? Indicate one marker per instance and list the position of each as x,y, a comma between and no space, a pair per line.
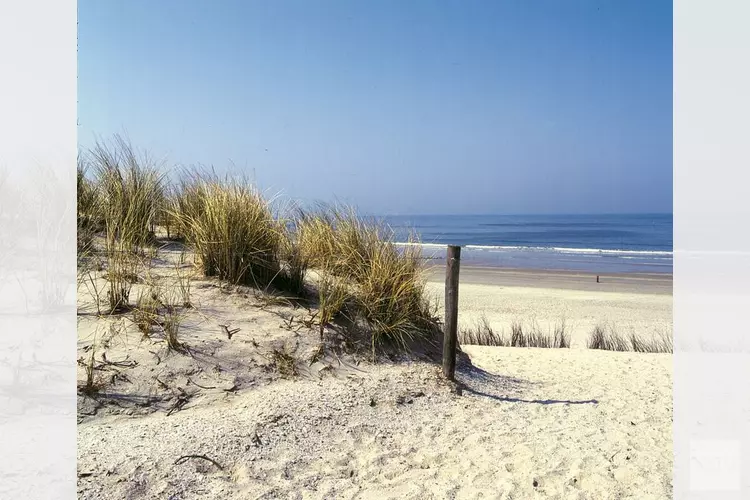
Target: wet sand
657,283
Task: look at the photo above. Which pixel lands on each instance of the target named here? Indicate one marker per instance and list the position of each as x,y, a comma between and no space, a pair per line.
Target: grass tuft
146,311
483,334
662,342
385,284
131,190
172,319
93,384
231,227
607,337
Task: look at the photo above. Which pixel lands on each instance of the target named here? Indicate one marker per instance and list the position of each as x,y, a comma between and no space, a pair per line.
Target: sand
640,304
531,423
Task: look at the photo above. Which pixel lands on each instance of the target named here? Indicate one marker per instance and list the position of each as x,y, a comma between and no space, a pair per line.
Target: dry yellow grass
237,238
231,227
386,283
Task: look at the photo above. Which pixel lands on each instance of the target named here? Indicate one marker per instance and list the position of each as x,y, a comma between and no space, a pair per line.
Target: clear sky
400,107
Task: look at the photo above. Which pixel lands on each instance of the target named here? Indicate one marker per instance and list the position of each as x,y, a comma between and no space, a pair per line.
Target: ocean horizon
599,243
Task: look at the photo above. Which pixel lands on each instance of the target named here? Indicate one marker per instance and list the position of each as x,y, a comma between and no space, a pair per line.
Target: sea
613,243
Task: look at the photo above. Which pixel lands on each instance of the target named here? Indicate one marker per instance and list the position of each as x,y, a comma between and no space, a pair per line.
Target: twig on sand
158,358
184,458
228,331
120,364
165,386
201,386
288,323
181,401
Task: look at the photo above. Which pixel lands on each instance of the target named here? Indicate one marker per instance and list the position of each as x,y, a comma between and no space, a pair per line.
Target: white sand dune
531,423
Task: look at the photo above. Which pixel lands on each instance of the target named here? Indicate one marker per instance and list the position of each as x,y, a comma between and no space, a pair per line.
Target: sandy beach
551,424
637,303
530,423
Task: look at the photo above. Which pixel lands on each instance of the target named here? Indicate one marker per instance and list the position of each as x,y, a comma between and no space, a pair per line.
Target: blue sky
415,107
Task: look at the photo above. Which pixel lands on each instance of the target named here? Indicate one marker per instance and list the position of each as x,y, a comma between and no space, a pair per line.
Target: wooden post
451,311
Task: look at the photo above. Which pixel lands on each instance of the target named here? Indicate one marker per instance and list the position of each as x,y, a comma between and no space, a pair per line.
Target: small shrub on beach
146,311
236,238
386,283
607,337
482,334
130,188
121,273
231,228
93,383
392,298
662,342
533,336
170,320
171,326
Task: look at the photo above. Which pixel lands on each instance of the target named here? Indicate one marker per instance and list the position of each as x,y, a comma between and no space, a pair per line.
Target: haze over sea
616,243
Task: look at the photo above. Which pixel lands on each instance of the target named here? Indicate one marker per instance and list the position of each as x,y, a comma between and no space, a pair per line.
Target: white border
37,249
712,249
712,263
